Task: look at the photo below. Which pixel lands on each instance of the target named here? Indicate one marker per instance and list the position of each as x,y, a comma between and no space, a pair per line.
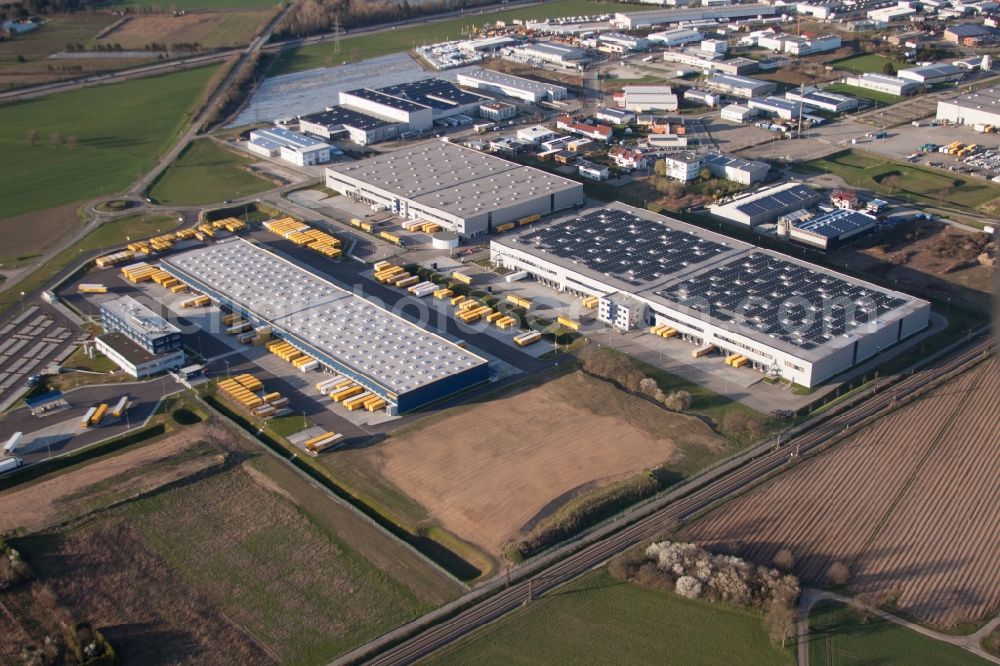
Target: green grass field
601,620
108,235
838,638
865,63
864,93
119,129
52,36
206,172
353,49
919,184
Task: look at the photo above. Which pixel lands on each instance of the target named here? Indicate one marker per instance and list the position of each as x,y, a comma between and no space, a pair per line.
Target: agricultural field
362,47
534,448
207,172
838,637
24,60
866,63
294,577
920,184
908,504
598,619
234,5
72,146
209,29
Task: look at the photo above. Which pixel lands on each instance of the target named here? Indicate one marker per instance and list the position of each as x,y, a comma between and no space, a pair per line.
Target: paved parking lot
29,341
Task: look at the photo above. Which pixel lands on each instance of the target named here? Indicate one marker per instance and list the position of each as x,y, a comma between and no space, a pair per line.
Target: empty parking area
31,340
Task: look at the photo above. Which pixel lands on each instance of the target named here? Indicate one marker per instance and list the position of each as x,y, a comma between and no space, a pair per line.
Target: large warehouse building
976,108
789,318
647,19
399,361
511,86
463,190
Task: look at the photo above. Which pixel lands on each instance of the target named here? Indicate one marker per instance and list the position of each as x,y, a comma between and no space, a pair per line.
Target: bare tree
864,605
838,573
784,559
31,137
781,620
71,142
55,138
678,401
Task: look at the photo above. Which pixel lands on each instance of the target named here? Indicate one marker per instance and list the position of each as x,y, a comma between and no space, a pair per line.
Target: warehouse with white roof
463,190
509,85
401,362
789,318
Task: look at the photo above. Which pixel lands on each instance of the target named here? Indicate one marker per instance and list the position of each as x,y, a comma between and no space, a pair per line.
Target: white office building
736,169
821,99
741,86
640,99
290,146
676,37
738,113
789,318
783,108
682,166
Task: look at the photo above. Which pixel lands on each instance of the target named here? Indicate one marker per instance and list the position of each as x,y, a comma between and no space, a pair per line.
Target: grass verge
837,636
207,172
600,620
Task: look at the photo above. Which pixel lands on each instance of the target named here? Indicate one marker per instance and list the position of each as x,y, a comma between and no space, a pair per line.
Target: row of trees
77,47
694,573
55,139
314,16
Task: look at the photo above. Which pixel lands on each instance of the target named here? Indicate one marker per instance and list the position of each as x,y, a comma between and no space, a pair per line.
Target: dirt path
35,506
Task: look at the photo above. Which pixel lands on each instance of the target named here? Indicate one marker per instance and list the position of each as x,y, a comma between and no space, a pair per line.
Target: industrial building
710,62
676,37
646,98
535,133
508,85
930,74
138,340
783,108
648,19
554,54
416,105
288,145
738,114
391,357
497,111
797,45
617,42
360,128
821,99
461,189
891,85
889,14
766,205
788,318
702,97
615,116
736,169
741,86
827,230
976,108
970,34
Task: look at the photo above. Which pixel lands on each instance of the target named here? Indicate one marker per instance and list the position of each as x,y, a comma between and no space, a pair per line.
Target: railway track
668,517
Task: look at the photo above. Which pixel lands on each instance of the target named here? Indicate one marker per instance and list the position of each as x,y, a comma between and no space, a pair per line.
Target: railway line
669,516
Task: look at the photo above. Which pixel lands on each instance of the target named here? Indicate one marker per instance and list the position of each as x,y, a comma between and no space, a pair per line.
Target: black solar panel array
775,204
624,246
782,299
433,92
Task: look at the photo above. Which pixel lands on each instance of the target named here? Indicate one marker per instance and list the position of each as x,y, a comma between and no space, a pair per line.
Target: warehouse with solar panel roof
405,365
787,318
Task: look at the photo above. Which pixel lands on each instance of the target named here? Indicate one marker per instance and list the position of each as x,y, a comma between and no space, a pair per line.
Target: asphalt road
143,396
439,628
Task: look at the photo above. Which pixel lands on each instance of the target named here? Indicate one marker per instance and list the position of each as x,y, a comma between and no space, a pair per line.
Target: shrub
838,573
784,559
185,417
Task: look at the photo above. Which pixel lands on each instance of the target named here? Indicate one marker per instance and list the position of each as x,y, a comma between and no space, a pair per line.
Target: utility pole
801,91
336,34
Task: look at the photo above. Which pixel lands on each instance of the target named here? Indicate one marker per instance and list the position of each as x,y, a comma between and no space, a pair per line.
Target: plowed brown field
910,504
